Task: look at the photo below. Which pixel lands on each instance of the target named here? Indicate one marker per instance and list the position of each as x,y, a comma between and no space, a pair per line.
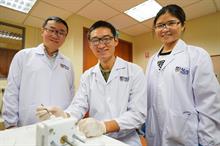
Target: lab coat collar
40,50
118,65
178,48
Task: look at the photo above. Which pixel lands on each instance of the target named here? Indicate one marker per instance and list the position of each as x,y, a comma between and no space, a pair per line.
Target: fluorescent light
10,35
144,11
18,5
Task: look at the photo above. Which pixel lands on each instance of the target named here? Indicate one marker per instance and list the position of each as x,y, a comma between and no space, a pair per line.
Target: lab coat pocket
182,128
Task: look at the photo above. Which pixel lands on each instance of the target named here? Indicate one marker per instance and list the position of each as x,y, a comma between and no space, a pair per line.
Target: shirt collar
41,51
119,64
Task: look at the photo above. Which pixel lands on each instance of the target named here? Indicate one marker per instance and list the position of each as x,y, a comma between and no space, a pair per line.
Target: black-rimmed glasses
60,33
169,24
95,41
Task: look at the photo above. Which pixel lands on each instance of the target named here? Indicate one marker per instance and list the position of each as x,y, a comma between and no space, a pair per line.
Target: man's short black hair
56,19
105,24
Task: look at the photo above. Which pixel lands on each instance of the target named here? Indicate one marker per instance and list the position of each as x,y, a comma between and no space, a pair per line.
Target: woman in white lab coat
113,92
183,92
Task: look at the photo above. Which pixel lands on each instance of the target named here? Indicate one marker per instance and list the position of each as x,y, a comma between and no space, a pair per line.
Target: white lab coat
183,99
122,98
32,81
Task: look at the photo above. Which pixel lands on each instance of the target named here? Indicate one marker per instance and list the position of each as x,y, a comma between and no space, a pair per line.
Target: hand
45,113
91,127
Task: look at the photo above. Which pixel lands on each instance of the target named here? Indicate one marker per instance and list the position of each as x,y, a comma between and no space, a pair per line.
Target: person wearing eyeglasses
112,92
182,90
39,76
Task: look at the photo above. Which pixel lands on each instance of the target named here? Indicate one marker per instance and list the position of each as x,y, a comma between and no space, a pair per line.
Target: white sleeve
79,105
136,112
207,96
11,95
72,86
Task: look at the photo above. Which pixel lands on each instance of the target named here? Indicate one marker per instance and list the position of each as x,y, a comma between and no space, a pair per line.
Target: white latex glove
45,113
91,127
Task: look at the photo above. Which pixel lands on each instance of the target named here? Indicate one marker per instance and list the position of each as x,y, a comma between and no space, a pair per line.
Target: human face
102,44
53,35
168,29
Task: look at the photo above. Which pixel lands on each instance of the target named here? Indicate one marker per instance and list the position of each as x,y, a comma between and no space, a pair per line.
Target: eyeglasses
169,24
60,33
95,41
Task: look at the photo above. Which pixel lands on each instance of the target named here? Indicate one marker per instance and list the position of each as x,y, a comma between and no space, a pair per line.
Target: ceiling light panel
144,11
18,5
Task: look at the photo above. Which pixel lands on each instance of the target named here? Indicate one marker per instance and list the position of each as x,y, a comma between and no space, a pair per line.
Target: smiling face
102,44
168,29
53,35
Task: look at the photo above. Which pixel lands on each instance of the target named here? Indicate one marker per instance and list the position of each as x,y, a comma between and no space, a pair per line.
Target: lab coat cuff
120,125
203,142
8,125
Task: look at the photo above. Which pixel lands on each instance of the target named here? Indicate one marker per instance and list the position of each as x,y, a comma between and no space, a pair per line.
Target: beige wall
33,37
203,32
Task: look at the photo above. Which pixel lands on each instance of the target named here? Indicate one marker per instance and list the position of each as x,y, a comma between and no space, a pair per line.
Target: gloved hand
91,127
45,113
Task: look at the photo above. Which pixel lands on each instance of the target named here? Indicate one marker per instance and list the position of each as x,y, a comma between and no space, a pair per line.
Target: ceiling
109,10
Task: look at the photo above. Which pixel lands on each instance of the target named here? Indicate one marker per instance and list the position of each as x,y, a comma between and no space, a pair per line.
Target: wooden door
123,50
6,56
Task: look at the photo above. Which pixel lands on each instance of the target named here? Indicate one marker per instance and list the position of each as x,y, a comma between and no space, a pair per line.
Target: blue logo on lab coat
183,71
126,79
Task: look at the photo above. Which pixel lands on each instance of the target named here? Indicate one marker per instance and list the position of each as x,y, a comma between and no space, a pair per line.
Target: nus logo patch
125,79
182,70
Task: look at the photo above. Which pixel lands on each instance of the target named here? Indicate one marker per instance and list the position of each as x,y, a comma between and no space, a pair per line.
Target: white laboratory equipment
54,132
61,132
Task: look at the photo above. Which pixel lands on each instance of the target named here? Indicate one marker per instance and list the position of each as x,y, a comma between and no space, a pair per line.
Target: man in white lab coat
113,92
39,76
